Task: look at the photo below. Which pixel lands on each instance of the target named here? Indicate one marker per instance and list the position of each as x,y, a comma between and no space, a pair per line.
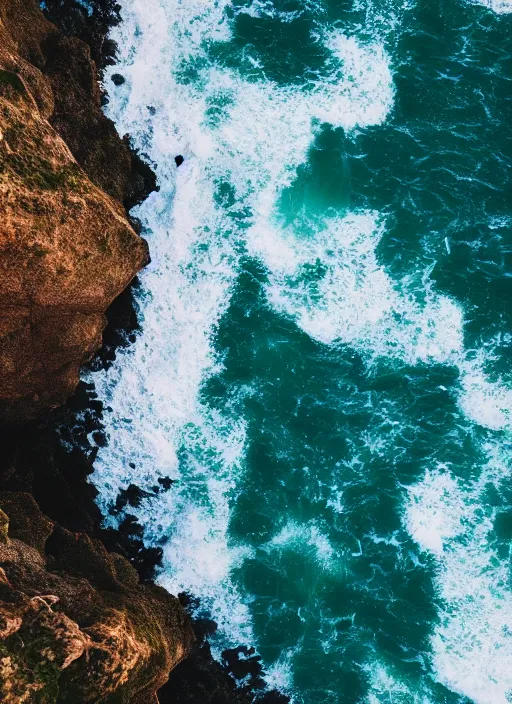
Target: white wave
428,522
306,537
385,689
280,674
353,300
472,645
486,403
498,6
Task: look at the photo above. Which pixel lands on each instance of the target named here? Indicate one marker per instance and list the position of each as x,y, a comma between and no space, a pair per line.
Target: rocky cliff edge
75,624
67,248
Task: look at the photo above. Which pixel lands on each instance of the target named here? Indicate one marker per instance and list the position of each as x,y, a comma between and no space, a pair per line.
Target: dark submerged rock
132,496
117,79
165,483
121,329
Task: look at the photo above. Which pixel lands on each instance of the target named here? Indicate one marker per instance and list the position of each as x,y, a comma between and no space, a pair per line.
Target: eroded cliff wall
67,247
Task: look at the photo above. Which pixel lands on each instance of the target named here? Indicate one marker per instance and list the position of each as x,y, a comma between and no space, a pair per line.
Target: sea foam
451,519
498,6
354,300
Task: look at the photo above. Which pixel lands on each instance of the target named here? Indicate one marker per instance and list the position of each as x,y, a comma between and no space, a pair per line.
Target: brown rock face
68,638
66,247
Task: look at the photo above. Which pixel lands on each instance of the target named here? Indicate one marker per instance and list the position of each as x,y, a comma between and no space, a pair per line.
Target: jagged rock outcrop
68,68
75,624
67,248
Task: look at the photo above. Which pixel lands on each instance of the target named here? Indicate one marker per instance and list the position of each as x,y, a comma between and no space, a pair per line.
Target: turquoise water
324,360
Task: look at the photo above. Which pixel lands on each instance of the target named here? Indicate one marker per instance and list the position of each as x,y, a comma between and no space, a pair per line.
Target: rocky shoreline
80,618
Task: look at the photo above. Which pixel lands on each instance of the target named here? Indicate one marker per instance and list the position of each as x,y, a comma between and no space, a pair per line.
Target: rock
117,79
92,138
90,22
26,522
67,248
131,496
4,527
75,624
179,160
166,483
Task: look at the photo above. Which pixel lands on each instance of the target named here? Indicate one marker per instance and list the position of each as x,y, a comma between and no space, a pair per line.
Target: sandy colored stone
66,247
75,624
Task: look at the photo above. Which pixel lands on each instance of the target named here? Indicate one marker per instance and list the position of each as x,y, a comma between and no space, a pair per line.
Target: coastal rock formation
75,624
67,248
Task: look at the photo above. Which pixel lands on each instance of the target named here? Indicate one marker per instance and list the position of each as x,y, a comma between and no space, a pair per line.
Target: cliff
75,624
67,248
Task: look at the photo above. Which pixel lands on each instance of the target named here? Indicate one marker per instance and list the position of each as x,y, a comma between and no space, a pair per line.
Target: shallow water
324,360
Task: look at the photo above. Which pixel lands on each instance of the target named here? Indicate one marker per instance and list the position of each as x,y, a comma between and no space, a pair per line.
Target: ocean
324,362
